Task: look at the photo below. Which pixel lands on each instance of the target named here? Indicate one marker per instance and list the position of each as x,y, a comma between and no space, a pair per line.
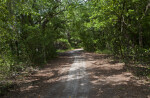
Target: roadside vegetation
34,31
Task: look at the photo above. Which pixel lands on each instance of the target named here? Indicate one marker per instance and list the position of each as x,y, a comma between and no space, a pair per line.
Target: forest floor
79,74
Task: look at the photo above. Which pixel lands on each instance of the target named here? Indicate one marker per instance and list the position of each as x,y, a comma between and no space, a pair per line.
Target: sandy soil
77,74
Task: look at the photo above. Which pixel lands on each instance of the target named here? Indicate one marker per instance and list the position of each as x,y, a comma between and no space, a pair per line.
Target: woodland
35,31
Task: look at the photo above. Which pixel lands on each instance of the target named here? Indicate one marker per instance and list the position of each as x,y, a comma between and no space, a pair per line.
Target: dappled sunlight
75,48
56,71
83,76
117,79
30,88
75,82
109,78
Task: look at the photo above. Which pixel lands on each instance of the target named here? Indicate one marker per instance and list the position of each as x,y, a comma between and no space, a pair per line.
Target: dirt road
77,83
77,74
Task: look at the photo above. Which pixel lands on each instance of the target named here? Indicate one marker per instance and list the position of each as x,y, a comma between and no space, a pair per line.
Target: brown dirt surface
78,74
109,79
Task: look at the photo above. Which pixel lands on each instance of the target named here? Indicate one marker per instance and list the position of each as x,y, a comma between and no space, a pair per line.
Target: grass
61,50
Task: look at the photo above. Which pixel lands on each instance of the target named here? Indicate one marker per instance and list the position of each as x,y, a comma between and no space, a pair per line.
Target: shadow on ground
52,74
109,79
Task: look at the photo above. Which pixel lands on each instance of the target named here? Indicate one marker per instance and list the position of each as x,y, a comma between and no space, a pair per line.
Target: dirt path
77,74
109,79
76,85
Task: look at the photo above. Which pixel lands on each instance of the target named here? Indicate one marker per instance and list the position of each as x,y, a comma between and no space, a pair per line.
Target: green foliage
103,51
31,31
63,44
118,26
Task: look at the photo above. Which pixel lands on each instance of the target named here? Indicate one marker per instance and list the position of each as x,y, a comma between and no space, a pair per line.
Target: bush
62,44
